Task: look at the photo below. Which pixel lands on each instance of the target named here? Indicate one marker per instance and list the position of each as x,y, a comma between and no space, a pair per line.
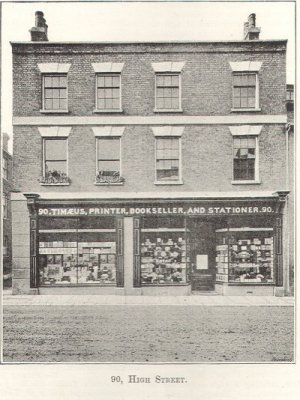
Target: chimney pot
39,31
251,32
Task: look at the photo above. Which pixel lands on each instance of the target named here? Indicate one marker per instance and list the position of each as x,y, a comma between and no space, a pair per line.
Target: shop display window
164,249
245,255
77,251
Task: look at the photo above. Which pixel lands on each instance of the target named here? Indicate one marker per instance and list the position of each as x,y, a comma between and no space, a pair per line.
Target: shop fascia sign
257,208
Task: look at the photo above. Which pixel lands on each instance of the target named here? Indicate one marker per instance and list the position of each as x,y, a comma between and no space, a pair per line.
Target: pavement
193,300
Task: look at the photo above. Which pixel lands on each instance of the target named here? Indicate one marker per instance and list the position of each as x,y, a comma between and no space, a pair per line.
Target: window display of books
244,255
64,263
163,258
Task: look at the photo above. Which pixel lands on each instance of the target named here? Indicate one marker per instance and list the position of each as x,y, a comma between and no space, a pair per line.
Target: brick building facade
147,168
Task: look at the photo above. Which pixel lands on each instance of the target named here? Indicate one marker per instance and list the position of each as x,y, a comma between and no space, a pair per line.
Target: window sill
255,182
109,184
54,111
107,111
168,183
163,110
245,109
55,184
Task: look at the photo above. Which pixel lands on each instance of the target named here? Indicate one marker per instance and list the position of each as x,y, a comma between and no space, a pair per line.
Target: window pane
108,149
101,93
236,142
175,103
101,104
48,81
159,80
243,153
167,103
105,165
55,93
167,92
168,80
48,93
116,104
63,93
55,149
251,92
100,81
251,153
115,93
59,166
159,102
108,104
116,81
251,102
55,104
63,81
244,142
108,81
244,92
251,142
62,104
244,102
252,80
48,104
236,92
175,92
55,81
160,92
175,80
236,102
108,93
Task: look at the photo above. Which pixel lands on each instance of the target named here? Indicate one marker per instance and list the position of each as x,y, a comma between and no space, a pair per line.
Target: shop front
174,247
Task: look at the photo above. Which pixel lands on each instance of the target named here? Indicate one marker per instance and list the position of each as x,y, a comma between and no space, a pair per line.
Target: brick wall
206,76
206,160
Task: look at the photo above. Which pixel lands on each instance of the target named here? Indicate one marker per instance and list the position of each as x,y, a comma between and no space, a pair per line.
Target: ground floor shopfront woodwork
156,247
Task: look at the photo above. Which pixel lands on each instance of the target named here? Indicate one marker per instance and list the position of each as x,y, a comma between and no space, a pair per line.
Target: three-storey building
150,168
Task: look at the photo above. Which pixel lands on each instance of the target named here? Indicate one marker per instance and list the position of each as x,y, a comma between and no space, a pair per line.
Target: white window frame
120,152
179,109
171,182
247,130
250,67
62,111
108,110
106,131
44,160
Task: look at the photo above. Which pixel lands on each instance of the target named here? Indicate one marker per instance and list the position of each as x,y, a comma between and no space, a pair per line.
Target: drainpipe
287,231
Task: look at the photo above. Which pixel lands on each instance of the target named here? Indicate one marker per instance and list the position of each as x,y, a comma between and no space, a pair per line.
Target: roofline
155,42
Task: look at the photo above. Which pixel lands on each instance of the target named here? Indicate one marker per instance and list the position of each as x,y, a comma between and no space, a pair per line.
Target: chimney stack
251,32
39,31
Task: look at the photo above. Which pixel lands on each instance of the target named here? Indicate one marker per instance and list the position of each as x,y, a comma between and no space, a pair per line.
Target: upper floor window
108,92
245,85
168,86
5,167
167,94
244,90
290,97
55,166
167,159
108,154
54,87
244,155
55,92
108,86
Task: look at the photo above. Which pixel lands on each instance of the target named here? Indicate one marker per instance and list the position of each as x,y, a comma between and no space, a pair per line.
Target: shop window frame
138,277
118,256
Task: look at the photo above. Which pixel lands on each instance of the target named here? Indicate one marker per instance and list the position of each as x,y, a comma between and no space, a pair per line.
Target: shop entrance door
202,254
